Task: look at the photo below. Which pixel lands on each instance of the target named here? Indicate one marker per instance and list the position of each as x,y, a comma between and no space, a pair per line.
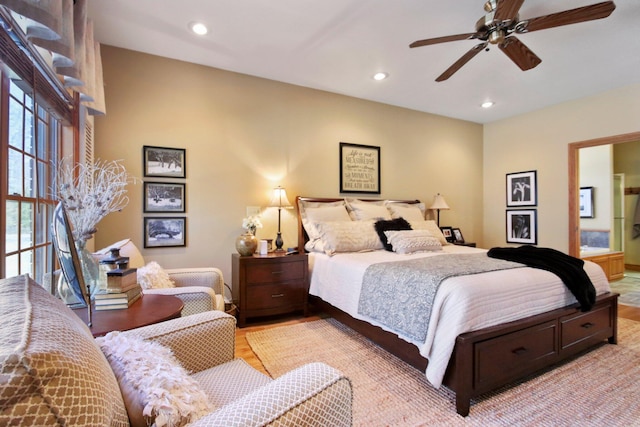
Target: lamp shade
439,203
279,198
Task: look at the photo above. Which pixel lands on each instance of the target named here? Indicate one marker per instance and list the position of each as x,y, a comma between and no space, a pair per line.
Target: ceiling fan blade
507,9
460,62
519,53
571,16
444,39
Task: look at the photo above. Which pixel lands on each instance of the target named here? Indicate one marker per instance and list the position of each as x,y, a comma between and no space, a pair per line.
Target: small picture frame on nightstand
457,235
448,234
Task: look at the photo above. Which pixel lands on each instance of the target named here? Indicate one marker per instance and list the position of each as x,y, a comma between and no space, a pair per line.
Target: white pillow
349,236
410,241
431,226
314,212
361,211
410,212
156,388
152,276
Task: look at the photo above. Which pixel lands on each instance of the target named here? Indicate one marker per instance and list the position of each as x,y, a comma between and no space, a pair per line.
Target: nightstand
265,285
470,244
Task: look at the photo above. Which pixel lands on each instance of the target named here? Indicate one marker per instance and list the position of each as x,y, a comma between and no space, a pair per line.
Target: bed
533,322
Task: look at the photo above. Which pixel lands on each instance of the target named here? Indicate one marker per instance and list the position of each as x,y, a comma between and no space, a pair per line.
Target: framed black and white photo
448,234
457,236
164,197
522,189
522,226
164,232
586,203
164,162
359,168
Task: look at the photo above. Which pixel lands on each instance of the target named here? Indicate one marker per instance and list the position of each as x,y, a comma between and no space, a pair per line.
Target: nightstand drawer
275,272
275,296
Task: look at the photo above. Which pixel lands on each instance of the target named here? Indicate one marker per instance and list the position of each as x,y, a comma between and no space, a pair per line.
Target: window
31,147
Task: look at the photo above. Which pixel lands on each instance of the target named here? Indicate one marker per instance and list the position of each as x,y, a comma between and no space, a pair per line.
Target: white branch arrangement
91,192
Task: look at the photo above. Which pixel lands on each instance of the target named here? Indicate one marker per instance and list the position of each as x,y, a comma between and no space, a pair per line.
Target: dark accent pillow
390,224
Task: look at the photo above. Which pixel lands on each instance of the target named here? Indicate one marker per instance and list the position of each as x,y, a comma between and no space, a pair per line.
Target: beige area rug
601,388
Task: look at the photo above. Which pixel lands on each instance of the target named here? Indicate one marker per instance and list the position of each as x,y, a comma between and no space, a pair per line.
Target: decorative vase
90,268
246,244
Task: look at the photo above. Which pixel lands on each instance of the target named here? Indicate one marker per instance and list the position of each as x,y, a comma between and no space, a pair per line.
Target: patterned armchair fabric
200,289
50,362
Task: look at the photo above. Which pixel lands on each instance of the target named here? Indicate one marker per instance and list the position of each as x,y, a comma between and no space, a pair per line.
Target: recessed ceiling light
487,104
380,76
199,28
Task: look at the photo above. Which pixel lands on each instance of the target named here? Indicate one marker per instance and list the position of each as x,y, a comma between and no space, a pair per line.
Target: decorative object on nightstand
246,244
439,204
265,285
279,200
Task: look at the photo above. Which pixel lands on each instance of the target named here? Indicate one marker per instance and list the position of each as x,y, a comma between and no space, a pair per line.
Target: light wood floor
244,351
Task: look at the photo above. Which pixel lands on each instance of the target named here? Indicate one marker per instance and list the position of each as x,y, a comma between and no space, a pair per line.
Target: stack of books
122,290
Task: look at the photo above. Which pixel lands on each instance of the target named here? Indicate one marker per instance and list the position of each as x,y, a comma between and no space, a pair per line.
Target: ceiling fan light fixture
199,28
487,104
380,76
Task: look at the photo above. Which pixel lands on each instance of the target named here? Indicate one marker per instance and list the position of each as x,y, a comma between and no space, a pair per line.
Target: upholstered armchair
55,373
200,289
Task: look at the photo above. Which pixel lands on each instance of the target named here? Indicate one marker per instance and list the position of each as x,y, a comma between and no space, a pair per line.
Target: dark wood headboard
302,234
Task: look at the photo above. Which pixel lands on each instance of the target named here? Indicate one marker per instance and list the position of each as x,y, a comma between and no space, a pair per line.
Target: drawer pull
276,272
588,325
519,351
277,295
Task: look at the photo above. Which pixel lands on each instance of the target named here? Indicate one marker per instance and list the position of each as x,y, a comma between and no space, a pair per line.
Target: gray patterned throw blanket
400,294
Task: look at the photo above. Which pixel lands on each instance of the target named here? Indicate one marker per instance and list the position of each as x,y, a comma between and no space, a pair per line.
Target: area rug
599,388
631,298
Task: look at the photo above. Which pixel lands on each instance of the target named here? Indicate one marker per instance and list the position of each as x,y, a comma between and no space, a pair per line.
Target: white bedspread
462,304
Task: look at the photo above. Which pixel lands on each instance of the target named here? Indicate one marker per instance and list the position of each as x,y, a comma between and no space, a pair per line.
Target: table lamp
279,200
439,204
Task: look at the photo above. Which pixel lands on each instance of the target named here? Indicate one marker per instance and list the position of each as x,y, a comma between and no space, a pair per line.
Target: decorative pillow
360,210
152,276
348,236
387,225
156,389
410,241
408,211
315,212
431,227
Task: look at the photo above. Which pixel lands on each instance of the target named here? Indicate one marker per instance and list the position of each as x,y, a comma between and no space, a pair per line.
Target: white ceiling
337,45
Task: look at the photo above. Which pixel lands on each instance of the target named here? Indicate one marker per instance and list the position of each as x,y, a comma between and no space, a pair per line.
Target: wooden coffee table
147,310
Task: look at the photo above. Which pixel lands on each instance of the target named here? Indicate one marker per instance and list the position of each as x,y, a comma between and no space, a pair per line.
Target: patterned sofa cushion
53,372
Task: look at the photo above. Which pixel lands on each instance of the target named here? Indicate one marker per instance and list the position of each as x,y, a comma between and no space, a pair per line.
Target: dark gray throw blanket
569,269
400,294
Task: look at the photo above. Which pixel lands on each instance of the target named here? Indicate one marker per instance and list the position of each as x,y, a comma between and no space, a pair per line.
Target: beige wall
596,170
244,135
538,141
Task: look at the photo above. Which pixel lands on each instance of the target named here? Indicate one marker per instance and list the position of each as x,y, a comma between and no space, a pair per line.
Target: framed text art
163,162
164,232
167,197
522,189
586,203
522,226
359,168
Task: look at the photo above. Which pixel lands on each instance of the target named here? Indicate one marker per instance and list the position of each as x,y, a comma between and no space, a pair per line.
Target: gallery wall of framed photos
521,219
164,196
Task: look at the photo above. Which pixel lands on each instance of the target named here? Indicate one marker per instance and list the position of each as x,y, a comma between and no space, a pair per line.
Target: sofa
200,289
55,373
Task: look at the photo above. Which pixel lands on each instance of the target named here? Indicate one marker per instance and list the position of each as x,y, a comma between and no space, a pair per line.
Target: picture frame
522,189
457,235
164,197
164,162
522,226
164,232
587,203
448,234
359,168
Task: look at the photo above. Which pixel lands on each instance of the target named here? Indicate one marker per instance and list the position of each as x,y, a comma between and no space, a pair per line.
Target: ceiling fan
502,21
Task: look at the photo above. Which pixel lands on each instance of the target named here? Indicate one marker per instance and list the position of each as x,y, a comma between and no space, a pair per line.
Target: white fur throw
152,276
156,389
